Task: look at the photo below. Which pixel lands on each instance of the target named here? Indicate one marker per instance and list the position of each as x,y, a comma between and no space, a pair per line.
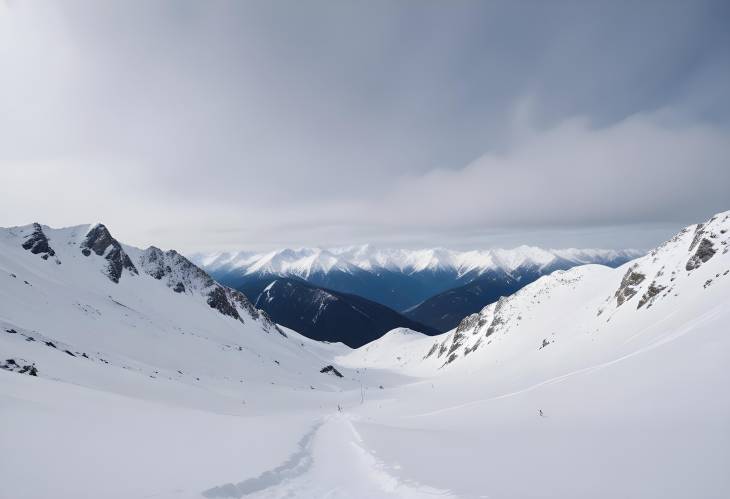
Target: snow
300,262
178,400
305,262
394,350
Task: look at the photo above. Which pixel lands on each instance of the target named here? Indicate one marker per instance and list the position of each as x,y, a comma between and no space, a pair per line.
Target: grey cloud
267,123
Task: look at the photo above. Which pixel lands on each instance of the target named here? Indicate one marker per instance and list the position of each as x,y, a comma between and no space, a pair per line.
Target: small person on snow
339,409
541,413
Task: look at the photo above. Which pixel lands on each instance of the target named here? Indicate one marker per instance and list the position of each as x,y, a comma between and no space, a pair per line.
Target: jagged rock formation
628,287
705,251
19,366
37,243
177,271
445,310
183,276
652,292
101,242
653,277
330,369
471,331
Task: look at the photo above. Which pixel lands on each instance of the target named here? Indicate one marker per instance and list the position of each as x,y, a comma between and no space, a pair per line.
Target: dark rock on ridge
101,242
183,276
37,243
627,288
331,370
705,251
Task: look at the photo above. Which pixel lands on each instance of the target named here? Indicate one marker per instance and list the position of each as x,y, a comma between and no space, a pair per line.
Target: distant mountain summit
307,262
404,280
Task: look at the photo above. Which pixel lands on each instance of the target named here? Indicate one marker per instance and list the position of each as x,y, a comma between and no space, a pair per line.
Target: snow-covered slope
75,301
394,350
587,314
590,382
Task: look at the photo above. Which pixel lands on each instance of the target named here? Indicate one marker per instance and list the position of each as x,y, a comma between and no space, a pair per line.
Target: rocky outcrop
183,276
331,370
629,285
37,243
177,271
218,300
705,251
19,366
497,319
488,322
651,293
99,241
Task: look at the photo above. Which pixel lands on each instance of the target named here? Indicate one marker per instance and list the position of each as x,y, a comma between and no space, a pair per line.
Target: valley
147,371
434,288
364,250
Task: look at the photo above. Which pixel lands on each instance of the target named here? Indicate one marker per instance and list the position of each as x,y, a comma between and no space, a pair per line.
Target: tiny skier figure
541,413
339,409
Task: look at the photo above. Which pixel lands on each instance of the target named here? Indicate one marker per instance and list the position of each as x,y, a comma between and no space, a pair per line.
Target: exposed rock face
657,279
497,319
19,366
174,268
331,370
650,294
37,243
628,287
431,351
218,300
101,242
699,231
183,276
488,321
705,251
243,303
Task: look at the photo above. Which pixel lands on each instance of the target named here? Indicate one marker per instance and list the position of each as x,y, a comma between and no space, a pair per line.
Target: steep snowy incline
582,316
592,382
77,305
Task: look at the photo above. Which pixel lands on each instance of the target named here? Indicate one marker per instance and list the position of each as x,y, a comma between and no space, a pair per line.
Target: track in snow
330,462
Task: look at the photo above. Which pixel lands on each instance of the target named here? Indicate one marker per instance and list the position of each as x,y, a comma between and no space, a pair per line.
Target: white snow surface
592,382
304,262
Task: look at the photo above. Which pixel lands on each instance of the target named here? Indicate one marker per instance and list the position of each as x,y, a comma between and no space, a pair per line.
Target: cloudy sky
222,125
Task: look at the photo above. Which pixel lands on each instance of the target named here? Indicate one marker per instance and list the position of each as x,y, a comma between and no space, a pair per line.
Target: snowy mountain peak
693,261
523,256
300,262
100,241
92,248
183,276
307,261
37,243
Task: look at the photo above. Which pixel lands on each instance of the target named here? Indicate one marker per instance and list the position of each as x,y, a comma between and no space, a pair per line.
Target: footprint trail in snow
330,462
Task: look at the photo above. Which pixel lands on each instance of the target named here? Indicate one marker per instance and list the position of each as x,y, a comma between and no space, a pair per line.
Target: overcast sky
254,125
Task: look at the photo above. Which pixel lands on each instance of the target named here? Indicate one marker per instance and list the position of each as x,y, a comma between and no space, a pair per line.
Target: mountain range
433,287
117,359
